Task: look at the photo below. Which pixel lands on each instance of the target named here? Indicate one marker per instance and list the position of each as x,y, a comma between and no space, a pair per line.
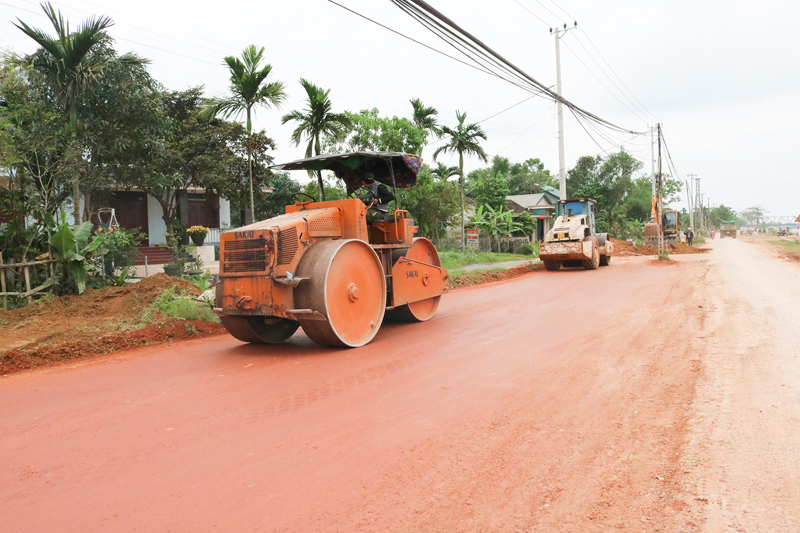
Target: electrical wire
532,13
455,35
635,101
601,81
526,131
606,62
407,37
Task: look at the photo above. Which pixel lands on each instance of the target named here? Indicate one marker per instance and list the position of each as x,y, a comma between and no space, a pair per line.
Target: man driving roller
379,198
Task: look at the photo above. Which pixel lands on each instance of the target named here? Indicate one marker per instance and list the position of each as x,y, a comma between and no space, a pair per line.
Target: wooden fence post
28,283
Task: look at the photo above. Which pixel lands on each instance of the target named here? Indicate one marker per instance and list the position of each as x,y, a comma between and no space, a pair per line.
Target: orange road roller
324,267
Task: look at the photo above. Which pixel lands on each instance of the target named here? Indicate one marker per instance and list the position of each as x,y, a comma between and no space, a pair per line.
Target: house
540,206
137,209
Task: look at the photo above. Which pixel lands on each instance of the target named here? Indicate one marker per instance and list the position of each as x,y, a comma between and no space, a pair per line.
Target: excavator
670,221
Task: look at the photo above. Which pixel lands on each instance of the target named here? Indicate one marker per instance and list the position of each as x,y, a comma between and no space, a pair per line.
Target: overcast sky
722,77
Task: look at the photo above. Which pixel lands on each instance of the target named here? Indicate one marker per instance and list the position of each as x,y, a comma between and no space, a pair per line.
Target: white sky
723,78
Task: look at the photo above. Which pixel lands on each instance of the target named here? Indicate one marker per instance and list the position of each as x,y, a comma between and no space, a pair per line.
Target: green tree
717,215
283,189
371,132
316,121
125,128
214,155
462,140
491,189
443,173
425,117
608,181
529,177
334,189
247,92
33,144
496,222
433,203
74,70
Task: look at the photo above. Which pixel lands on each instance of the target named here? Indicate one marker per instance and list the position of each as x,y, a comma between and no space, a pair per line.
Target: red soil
98,321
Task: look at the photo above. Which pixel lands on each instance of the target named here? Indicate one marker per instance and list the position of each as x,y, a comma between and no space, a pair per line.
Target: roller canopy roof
348,167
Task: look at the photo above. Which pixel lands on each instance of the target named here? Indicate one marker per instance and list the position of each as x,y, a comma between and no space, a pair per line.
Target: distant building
540,206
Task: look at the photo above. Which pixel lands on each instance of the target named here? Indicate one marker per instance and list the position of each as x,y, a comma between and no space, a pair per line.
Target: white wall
224,213
155,224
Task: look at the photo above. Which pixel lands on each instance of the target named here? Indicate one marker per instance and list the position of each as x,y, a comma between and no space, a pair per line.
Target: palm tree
68,59
443,173
247,92
463,139
315,121
425,117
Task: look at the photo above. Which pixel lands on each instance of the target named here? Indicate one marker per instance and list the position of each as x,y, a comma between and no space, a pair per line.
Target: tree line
83,121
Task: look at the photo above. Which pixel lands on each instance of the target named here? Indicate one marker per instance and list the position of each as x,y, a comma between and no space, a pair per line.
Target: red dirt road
557,401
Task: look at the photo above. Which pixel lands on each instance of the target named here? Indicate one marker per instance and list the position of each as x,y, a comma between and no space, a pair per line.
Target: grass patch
179,305
789,246
202,281
456,260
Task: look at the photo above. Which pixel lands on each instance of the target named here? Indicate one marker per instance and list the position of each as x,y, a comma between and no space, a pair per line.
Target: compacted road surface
638,397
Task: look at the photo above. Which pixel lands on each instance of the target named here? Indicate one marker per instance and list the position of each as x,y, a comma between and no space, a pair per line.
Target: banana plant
496,222
72,247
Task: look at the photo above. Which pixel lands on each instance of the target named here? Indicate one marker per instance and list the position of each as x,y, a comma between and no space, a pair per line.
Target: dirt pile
626,248
475,278
98,321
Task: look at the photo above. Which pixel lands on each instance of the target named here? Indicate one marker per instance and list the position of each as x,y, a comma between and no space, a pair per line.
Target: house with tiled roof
540,206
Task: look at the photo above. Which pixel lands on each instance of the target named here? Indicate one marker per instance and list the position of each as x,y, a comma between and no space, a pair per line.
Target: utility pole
662,249
652,160
690,197
698,202
562,171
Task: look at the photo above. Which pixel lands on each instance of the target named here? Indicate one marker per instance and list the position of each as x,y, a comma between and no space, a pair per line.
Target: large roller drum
343,293
259,329
421,250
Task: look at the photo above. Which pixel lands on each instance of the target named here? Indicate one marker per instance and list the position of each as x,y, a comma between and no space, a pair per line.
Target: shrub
179,305
121,248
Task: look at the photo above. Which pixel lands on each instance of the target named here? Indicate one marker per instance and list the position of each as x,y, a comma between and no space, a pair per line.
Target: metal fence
213,235
506,245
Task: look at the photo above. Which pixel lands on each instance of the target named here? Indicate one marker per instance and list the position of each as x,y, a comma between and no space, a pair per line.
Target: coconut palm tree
248,91
461,140
425,117
443,173
317,120
74,70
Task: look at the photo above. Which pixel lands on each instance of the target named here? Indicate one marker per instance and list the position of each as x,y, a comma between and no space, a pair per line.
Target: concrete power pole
698,202
562,171
690,198
652,160
662,248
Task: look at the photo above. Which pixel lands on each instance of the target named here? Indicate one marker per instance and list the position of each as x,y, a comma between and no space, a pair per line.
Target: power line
548,10
639,106
455,35
409,38
524,132
532,13
601,82
617,76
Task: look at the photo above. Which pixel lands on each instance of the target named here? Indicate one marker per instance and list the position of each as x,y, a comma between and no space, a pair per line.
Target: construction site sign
473,238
